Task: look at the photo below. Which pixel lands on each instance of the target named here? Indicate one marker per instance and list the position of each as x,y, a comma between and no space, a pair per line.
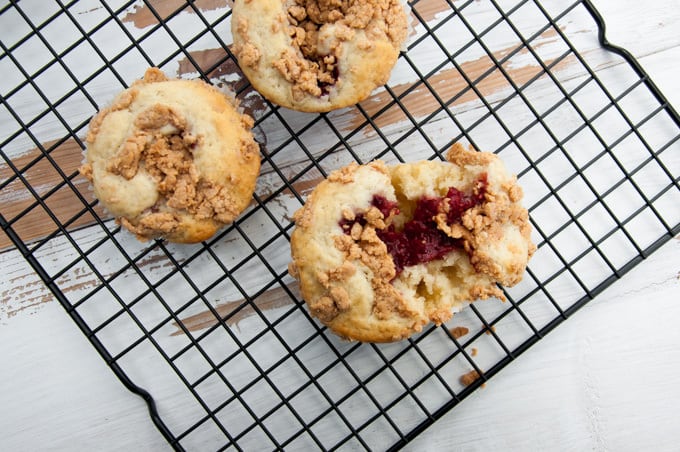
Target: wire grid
215,336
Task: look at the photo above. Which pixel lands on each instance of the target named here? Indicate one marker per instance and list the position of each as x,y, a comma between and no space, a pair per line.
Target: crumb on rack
469,378
459,331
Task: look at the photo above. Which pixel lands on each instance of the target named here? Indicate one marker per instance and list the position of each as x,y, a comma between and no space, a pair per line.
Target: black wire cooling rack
215,336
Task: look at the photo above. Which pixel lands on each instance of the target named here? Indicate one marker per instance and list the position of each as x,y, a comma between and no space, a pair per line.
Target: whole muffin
172,159
381,251
317,55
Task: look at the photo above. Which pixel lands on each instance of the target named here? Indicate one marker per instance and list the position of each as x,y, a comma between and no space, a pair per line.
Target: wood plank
20,205
58,389
145,14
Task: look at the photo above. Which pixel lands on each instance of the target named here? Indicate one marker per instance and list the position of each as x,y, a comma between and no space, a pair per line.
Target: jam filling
381,203
420,241
327,86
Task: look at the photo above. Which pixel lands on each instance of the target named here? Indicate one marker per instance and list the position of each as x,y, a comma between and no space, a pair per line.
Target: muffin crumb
459,331
469,378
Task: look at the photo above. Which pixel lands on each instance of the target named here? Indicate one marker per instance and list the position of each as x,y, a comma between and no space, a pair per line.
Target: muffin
381,251
172,159
317,55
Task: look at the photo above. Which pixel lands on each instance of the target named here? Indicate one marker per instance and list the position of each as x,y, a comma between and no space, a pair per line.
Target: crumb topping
345,175
486,222
248,54
163,142
458,155
362,245
157,223
337,299
481,292
152,75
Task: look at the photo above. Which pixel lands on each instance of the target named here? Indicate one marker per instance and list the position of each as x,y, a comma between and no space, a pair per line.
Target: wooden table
608,379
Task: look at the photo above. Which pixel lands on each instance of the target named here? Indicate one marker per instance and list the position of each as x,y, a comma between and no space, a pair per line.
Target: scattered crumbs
469,378
490,329
459,331
473,352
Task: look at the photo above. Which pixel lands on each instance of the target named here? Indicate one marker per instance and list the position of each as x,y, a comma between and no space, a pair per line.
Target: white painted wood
606,380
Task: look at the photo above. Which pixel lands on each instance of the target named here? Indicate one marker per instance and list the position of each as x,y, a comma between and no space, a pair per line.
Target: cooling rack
215,336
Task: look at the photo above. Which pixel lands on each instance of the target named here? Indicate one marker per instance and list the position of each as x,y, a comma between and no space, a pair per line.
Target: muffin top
317,55
172,159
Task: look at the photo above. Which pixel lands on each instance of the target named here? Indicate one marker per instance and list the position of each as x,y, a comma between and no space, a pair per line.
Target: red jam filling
381,203
325,86
420,241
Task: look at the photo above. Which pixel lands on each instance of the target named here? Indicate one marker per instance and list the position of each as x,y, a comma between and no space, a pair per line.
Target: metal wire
236,359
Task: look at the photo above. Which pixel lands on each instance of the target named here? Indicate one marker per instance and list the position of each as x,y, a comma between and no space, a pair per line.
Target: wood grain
143,16
235,311
22,206
452,88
